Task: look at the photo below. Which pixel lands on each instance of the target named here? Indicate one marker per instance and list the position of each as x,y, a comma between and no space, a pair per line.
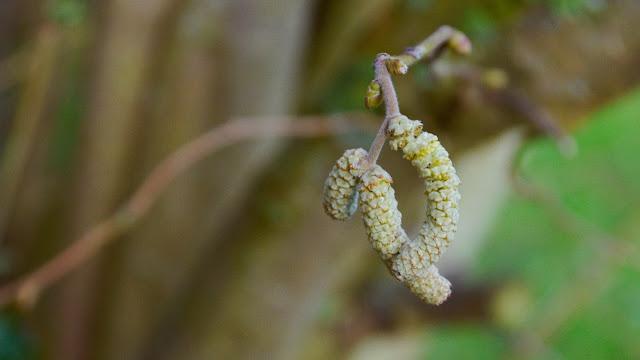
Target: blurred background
237,260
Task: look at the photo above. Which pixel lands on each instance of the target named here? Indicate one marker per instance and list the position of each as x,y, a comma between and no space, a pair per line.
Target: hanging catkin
382,221
411,261
441,187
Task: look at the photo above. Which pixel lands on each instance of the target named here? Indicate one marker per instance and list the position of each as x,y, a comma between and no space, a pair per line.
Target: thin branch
495,87
539,116
433,46
383,77
26,289
385,65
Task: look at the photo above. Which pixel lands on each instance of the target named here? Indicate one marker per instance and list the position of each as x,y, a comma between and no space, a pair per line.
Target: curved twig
26,289
384,65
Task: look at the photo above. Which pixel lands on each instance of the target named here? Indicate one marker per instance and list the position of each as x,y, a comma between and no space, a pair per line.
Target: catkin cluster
411,261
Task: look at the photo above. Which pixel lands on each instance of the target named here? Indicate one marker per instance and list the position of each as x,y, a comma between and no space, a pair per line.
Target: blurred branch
494,84
26,290
432,47
540,117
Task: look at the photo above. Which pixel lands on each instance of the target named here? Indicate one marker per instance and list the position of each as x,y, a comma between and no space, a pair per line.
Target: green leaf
464,342
549,246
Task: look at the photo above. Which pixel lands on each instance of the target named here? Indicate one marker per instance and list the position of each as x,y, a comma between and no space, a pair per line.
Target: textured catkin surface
411,261
340,197
441,187
428,284
382,221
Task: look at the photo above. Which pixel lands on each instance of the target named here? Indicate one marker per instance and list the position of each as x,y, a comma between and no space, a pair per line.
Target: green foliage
346,92
608,328
67,12
67,127
464,342
479,23
599,185
418,5
568,249
520,248
552,247
574,7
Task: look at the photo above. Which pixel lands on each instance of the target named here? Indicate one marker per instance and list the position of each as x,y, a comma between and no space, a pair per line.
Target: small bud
396,66
460,43
373,96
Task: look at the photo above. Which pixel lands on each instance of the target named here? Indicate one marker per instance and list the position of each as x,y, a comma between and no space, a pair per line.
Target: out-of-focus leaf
464,342
527,244
533,242
479,24
600,184
346,92
68,12
608,329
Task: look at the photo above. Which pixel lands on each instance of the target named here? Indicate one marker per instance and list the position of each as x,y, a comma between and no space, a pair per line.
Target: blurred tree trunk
246,78
109,136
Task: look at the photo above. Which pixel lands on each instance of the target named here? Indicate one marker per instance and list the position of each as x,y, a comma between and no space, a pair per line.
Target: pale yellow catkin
441,187
382,222
340,196
411,261
428,284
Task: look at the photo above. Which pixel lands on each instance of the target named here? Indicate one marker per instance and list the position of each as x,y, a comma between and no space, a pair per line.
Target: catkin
428,284
411,261
340,194
441,187
382,222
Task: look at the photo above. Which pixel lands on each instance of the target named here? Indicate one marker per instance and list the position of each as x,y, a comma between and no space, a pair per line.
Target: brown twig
26,289
495,88
539,116
383,77
385,65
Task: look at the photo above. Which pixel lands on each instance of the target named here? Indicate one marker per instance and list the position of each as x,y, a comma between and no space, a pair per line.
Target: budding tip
396,66
460,43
